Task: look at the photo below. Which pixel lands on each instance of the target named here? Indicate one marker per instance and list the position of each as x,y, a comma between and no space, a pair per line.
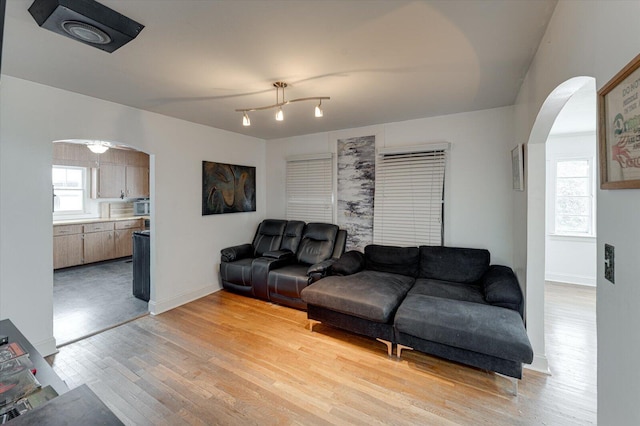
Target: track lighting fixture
280,102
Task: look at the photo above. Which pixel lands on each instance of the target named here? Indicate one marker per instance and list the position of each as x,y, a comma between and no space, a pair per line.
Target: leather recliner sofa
284,257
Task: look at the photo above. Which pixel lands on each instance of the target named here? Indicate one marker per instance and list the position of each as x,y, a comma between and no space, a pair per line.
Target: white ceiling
379,61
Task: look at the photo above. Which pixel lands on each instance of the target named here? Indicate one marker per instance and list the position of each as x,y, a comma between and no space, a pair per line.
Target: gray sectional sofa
445,301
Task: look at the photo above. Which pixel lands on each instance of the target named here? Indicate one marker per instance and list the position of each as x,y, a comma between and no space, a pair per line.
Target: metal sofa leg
389,345
312,323
513,382
400,348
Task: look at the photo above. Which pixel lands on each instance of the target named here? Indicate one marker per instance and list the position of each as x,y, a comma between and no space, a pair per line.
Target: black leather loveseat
444,301
284,257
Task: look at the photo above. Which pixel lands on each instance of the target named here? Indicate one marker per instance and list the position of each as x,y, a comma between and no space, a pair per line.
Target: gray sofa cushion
461,265
501,288
486,329
371,295
349,263
395,260
449,290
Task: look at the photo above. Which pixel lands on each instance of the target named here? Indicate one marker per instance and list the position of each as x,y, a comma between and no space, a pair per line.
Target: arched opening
101,194
536,213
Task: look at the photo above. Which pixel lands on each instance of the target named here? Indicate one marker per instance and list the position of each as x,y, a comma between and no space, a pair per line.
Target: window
68,189
409,198
309,186
574,197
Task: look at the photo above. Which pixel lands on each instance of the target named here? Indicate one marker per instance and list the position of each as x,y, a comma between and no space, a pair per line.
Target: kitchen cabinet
99,242
68,248
83,243
136,182
120,181
111,181
124,236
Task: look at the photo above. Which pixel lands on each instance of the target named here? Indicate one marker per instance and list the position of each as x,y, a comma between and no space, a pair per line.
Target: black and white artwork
356,188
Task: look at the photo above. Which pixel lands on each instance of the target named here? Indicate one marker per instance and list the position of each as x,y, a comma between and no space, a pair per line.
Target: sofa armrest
231,254
278,254
319,270
501,288
348,264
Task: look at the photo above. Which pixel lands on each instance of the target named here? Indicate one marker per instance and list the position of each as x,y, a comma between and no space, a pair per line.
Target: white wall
478,194
186,249
589,38
568,259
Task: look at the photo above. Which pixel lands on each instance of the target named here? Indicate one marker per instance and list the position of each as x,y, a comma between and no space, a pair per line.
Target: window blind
309,188
409,197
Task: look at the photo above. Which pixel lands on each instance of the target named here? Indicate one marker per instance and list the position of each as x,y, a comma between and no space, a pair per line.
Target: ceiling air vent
86,21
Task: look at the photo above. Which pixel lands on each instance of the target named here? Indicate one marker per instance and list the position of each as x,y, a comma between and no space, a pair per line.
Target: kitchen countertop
96,220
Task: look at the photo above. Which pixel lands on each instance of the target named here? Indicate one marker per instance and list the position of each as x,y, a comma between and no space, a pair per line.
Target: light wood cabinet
118,181
136,182
99,246
67,246
111,181
93,242
99,242
123,236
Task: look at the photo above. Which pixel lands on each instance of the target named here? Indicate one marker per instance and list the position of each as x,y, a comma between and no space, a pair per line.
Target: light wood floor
228,359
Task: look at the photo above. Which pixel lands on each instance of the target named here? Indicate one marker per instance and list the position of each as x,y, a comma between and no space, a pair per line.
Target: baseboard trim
539,364
158,307
571,279
46,347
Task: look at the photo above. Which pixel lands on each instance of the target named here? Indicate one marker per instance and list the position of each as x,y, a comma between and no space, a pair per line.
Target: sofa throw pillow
348,264
395,260
461,265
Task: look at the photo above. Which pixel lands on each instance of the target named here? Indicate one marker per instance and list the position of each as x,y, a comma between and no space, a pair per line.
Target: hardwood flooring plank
228,359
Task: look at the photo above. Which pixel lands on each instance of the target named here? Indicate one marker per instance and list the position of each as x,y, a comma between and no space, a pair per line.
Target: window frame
592,199
85,191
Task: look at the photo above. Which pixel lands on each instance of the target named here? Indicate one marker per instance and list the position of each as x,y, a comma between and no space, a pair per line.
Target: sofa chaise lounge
445,301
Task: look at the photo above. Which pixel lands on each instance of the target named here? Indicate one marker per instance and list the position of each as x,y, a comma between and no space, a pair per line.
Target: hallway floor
90,298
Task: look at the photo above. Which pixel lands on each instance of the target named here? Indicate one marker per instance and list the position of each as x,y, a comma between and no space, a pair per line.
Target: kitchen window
69,186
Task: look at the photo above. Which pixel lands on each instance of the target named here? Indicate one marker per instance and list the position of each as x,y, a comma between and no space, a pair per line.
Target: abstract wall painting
356,189
228,188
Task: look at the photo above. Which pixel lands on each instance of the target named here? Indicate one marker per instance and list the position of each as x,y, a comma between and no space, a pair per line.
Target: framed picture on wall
517,168
619,129
228,188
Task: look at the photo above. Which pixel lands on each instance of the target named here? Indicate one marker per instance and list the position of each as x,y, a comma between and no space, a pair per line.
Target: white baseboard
539,364
46,347
571,279
158,307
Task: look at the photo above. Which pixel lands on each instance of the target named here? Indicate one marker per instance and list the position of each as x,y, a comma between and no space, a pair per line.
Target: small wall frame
517,168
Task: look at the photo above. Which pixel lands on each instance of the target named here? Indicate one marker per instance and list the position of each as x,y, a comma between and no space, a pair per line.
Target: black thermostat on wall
4,340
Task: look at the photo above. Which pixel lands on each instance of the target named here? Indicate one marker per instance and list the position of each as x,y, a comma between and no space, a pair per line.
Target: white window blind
409,198
310,188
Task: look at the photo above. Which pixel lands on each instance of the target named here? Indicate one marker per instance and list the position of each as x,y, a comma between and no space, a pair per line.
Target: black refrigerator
141,265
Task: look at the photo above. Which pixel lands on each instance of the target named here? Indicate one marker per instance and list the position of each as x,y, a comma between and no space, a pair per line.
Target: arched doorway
536,213
100,212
